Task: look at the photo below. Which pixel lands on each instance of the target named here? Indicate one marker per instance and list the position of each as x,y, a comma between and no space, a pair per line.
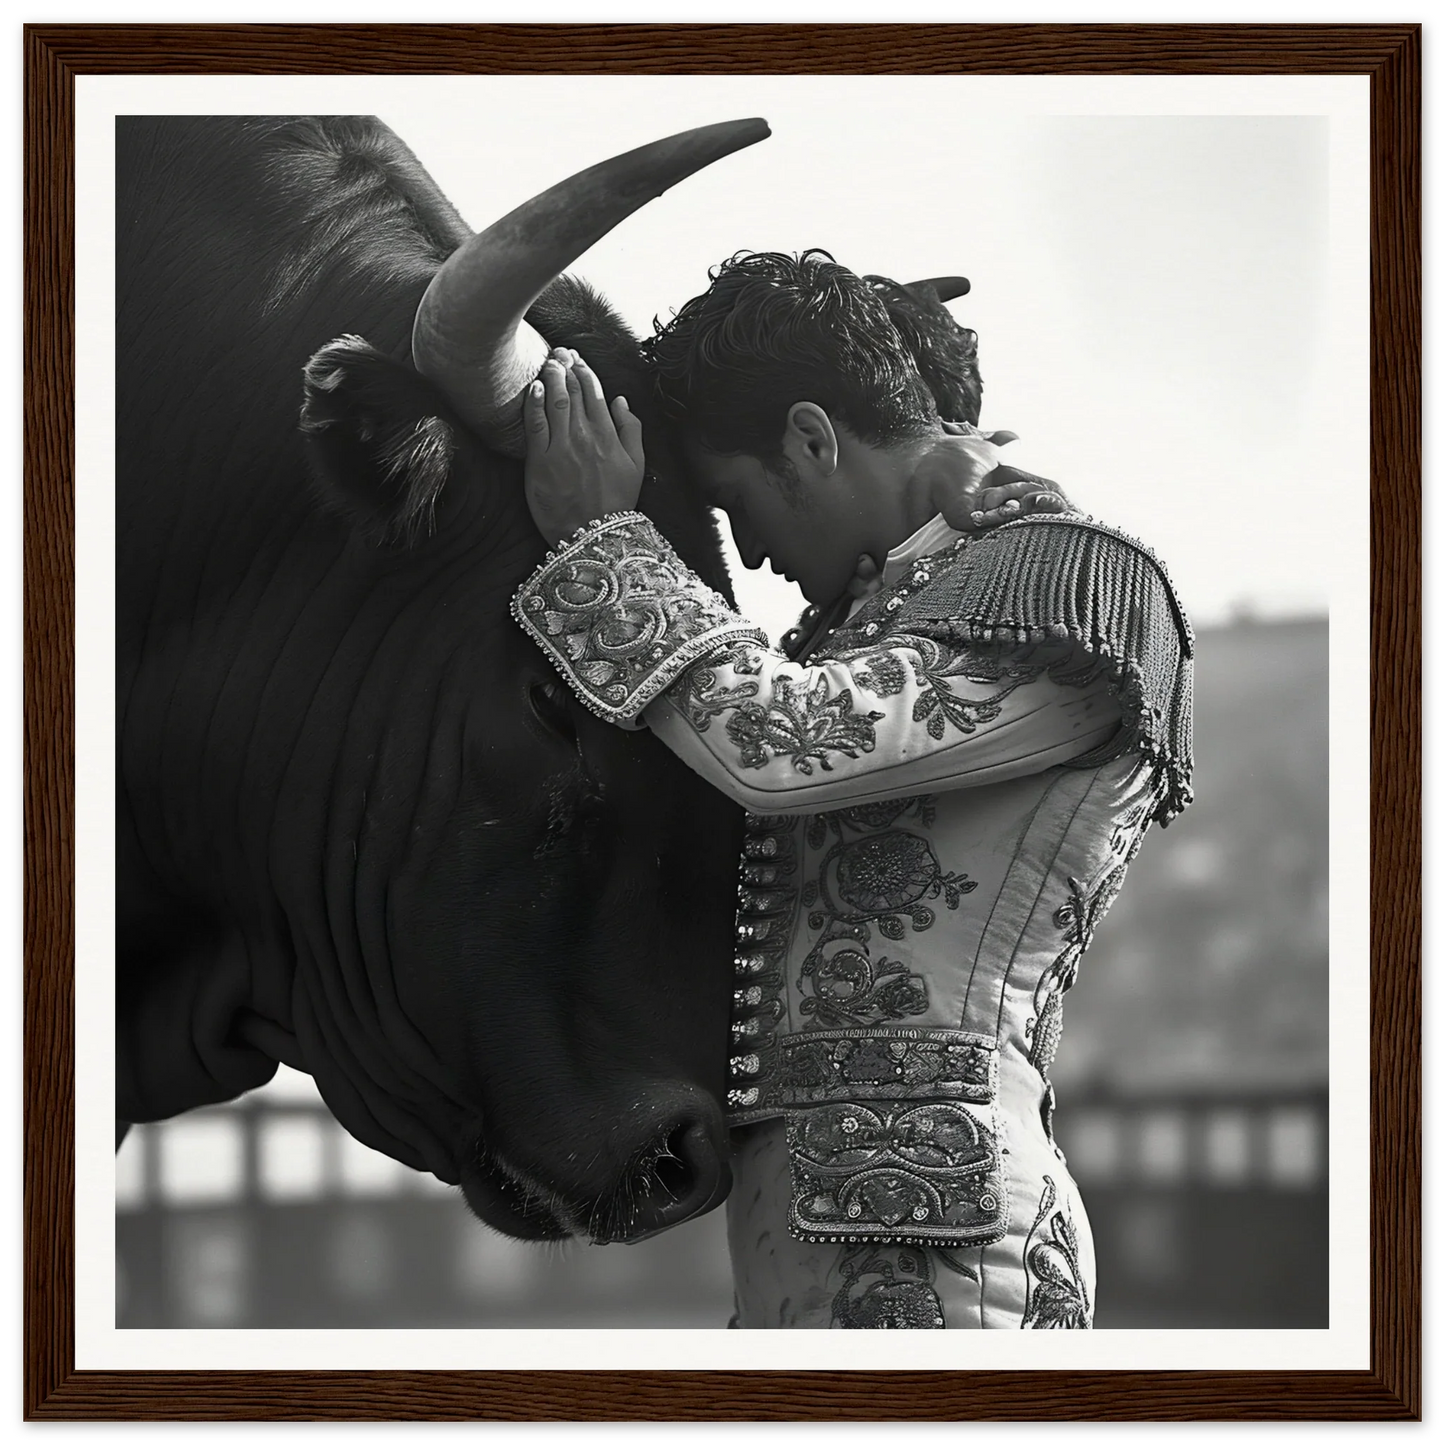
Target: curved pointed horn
945,288
469,336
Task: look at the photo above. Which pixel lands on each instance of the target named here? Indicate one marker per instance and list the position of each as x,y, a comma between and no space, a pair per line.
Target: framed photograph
1184,262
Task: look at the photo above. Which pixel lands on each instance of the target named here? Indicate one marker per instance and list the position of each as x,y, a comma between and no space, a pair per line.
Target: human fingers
592,395
534,420
577,418
554,389
1013,509
1000,438
1006,484
629,431
1017,507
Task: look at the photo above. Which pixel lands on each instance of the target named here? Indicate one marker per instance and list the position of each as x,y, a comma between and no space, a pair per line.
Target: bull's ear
381,439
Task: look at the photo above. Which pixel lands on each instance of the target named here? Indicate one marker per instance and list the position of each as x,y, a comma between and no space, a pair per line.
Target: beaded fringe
1051,577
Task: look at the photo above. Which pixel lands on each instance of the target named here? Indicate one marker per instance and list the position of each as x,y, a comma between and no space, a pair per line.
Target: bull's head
557,894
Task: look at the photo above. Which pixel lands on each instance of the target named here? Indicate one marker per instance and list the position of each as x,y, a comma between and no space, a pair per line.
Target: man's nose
750,549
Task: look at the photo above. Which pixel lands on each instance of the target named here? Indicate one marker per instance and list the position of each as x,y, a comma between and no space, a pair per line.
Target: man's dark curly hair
945,353
774,329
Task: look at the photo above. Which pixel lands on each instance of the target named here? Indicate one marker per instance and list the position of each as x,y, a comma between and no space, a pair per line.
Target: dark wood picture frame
1389,1389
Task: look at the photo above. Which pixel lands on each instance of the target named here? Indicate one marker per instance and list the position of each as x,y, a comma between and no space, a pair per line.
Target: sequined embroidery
883,675
889,1287
1077,918
802,723
699,695
621,616
871,1064
879,1064
888,1171
877,880
939,707
1057,1298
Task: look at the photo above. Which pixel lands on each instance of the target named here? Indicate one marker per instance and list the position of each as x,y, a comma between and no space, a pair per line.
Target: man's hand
584,460
973,490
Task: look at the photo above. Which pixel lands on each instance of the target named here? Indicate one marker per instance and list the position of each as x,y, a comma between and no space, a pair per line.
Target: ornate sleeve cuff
621,615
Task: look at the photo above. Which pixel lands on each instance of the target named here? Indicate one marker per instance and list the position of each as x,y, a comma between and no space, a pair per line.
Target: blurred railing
266,1213
1206,1212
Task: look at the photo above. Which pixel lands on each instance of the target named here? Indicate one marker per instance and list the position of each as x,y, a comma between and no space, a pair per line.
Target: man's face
811,539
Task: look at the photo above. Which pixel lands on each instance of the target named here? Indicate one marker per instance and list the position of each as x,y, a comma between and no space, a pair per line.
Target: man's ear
809,441
381,439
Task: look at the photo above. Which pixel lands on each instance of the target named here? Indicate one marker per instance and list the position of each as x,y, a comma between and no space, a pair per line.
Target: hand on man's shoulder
973,489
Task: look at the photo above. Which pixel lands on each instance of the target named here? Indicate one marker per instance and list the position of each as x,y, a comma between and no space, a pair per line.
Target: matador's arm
643,641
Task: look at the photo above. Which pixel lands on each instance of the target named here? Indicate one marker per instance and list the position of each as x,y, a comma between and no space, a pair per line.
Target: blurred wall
1192,1087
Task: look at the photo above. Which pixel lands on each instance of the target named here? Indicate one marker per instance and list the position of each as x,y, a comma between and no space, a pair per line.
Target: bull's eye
548,701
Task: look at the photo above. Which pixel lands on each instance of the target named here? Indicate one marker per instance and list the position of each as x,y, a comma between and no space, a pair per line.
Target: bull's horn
469,336
946,288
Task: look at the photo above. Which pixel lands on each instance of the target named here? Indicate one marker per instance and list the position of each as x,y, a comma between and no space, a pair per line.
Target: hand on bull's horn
584,459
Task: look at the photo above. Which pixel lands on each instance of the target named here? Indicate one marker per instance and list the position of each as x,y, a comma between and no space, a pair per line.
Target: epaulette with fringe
1050,577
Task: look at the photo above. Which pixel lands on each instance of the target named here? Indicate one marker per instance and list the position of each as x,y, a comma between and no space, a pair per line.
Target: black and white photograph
738,703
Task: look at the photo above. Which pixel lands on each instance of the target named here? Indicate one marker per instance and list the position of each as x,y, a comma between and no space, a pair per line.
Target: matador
946,770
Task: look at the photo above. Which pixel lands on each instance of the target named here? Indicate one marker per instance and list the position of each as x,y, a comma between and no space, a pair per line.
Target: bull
361,828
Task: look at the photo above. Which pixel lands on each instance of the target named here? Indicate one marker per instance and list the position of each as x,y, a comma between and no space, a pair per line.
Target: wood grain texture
54,1389
1395,720
49,716
719,49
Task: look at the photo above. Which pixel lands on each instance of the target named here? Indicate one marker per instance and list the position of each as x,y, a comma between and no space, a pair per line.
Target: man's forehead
715,474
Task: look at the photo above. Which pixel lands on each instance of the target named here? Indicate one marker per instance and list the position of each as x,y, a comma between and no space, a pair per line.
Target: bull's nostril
681,1176
670,1172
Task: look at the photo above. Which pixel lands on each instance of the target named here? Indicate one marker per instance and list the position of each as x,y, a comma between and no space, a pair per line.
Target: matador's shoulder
1051,577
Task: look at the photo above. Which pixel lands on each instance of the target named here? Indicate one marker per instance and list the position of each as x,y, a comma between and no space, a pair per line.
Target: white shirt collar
930,537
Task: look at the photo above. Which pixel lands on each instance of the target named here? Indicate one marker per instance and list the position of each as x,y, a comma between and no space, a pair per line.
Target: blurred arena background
1192,1088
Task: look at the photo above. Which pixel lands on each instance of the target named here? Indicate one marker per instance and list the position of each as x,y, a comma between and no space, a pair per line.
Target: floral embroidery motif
1077,918
938,705
851,988
802,723
888,1288
888,873
699,695
882,674
914,1171
1057,1298
878,879
621,615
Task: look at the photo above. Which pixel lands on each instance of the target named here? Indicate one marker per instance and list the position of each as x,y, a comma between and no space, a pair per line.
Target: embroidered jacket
943,800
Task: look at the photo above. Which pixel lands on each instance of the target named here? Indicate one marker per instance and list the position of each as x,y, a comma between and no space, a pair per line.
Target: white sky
1150,291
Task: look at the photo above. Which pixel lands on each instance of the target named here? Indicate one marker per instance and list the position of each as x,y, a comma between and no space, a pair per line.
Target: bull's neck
253,697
